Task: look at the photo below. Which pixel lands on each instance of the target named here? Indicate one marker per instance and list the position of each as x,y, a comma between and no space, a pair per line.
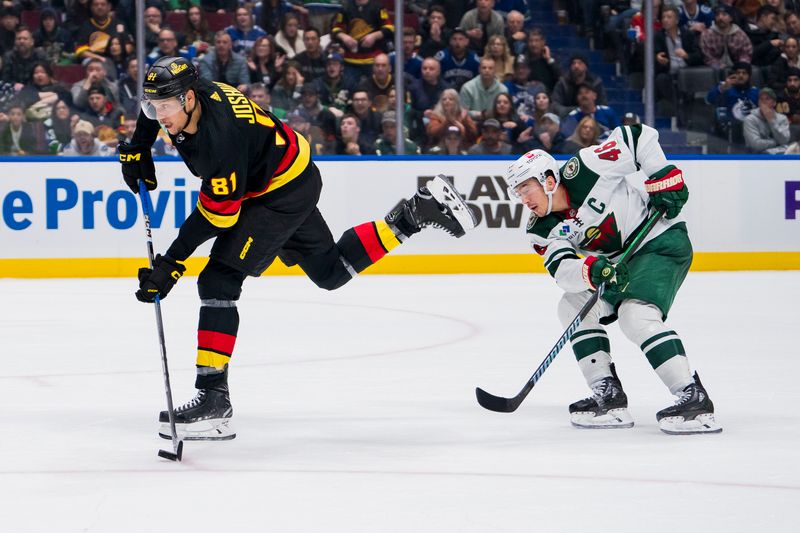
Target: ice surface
355,412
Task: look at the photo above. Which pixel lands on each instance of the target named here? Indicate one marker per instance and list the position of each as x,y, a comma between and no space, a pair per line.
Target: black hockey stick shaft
509,405
177,445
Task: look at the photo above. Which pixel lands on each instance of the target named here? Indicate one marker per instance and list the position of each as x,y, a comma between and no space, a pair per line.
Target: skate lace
193,402
686,395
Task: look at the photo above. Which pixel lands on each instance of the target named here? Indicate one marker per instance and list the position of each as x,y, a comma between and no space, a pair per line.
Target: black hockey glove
137,164
159,280
598,269
668,193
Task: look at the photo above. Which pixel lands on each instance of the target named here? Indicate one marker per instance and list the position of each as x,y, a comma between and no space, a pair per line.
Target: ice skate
436,204
207,416
607,408
692,413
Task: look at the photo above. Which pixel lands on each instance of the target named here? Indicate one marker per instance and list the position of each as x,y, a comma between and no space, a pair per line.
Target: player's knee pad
572,302
220,282
640,320
329,270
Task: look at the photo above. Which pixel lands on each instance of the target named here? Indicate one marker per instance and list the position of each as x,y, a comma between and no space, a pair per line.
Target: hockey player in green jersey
583,216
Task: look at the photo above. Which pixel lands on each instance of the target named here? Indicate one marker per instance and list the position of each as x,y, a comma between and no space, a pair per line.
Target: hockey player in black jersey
258,200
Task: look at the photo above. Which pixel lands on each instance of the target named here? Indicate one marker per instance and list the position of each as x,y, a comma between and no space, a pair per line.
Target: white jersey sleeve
628,149
560,258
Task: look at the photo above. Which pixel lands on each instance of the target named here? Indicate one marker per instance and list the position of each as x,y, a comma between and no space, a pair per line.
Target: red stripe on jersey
291,150
368,236
216,341
225,207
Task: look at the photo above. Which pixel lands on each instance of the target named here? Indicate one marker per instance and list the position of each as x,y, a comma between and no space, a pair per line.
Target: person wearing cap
491,142
630,118
101,111
542,66
725,43
51,37
544,135
565,93
84,142
258,201
335,88
96,74
605,116
481,23
478,94
765,130
459,63
450,144
386,143
765,39
733,97
789,97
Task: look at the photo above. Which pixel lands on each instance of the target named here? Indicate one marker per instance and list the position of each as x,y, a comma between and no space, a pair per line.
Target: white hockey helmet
538,165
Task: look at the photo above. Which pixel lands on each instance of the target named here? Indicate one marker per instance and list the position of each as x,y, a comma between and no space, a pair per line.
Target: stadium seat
693,85
218,21
31,18
68,74
176,20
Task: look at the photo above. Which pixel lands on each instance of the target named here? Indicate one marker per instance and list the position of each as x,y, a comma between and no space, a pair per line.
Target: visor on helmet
155,109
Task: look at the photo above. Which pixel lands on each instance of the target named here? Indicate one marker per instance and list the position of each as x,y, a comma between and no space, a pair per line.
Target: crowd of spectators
479,75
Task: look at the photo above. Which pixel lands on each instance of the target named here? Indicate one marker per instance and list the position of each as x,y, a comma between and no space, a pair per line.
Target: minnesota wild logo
571,169
604,237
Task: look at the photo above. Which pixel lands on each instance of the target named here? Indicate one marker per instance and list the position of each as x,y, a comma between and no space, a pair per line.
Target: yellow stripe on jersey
386,235
208,358
220,221
300,164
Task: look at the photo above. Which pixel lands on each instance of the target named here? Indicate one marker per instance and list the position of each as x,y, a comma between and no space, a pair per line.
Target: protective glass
155,109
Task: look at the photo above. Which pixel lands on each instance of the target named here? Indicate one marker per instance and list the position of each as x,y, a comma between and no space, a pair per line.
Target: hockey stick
509,405
177,445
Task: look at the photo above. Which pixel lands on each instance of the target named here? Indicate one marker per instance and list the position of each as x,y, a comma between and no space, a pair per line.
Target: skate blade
676,425
212,429
613,419
444,193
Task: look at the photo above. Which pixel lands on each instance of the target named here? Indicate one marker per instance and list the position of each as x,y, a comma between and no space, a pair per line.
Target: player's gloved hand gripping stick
509,405
177,445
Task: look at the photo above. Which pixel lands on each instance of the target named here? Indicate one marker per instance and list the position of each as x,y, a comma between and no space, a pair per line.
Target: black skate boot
693,412
207,416
436,204
606,408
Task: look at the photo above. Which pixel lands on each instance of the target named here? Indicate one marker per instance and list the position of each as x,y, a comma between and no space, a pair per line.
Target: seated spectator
369,120
116,57
51,37
92,37
789,98
335,89
780,19
101,111
413,62
259,94
478,94
379,83
319,143
196,32
765,130
286,93
789,59
725,43
386,143
348,142
128,88
9,20
363,28
448,112
312,59
734,97
522,90
424,93
792,23
58,127
695,17
269,14
318,115
543,67
96,74
459,64
491,141
38,97
290,36
450,144
153,24
503,112
19,61
606,118
265,63
77,12
586,134
18,137
434,33
84,142
167,47
243,33
675,48
497,49
222,64
565,94
481,23
544,135
765,40
515,34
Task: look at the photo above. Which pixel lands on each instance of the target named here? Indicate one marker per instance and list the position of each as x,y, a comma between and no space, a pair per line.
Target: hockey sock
643,324
592,350
367,243
216,337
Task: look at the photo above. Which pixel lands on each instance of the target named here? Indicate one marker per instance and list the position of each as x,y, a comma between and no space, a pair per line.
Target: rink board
75,218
